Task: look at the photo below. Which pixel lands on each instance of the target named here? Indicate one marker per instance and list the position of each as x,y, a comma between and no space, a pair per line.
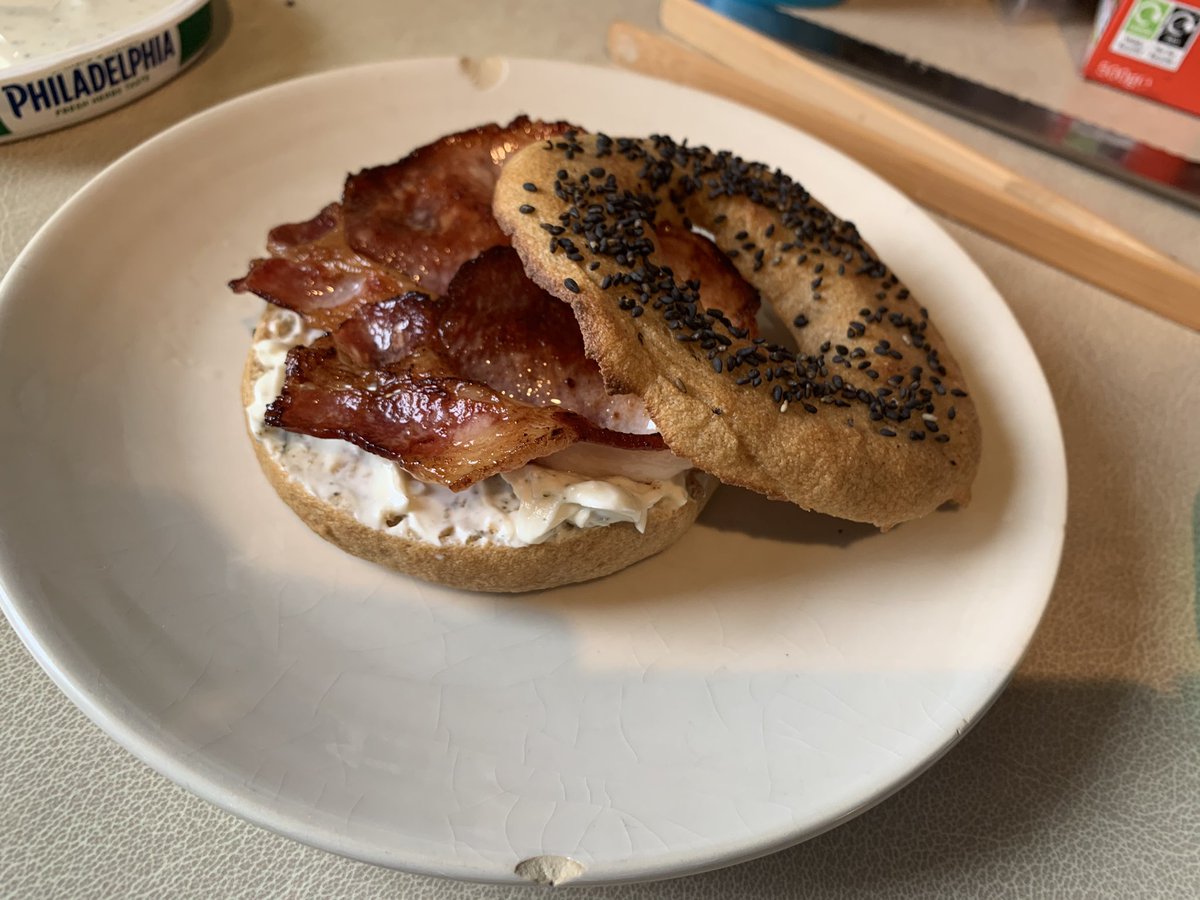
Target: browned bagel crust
569,555
846,425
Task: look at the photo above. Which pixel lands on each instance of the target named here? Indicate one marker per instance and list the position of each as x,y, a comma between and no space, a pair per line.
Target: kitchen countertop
1084,778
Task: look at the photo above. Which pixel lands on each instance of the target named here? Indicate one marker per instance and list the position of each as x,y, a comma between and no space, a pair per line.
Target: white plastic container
64,61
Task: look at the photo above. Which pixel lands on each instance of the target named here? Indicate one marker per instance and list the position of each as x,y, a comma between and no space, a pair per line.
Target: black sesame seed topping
618,225
530,186
525,209
571,285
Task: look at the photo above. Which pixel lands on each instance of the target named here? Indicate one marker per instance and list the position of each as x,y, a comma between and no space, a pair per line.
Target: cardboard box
1149,48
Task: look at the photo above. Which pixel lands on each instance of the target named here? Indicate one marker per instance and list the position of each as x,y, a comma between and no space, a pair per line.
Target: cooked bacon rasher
457,388
432,211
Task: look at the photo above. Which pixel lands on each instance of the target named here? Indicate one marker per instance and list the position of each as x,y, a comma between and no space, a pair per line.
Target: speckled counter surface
1083,780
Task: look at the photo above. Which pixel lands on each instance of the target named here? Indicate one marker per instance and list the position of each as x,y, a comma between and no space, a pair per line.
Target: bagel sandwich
552,391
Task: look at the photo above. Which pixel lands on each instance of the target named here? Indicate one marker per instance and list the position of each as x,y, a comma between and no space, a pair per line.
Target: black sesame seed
530,186
958,392
942,438
525,209
571,285
716,364
887,432
800,321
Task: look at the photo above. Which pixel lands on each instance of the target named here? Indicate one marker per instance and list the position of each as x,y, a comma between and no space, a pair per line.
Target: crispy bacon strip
312,271
505,331
402,329
495,327
438,427
432,211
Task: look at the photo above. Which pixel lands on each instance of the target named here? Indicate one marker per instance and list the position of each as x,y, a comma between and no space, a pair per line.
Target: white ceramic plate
770,676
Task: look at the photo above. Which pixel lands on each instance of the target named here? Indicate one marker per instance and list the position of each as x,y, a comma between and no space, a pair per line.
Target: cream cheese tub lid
64,61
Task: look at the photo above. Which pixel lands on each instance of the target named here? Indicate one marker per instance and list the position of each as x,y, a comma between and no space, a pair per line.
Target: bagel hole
773,328
770,325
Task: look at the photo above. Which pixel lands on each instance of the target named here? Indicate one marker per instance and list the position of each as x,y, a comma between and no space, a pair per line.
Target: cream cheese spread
30,29
514,509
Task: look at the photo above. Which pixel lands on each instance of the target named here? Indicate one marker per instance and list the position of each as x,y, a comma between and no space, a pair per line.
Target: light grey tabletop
1083,780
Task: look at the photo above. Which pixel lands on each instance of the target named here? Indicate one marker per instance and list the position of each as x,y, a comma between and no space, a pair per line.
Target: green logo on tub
1147,15
95,79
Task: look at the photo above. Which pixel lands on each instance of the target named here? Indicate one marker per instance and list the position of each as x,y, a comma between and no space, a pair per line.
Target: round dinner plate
770,676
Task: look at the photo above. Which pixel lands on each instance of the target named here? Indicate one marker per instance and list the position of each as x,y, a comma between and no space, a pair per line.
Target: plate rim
132,736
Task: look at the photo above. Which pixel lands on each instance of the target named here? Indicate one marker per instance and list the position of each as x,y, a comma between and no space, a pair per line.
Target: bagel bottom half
567,556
